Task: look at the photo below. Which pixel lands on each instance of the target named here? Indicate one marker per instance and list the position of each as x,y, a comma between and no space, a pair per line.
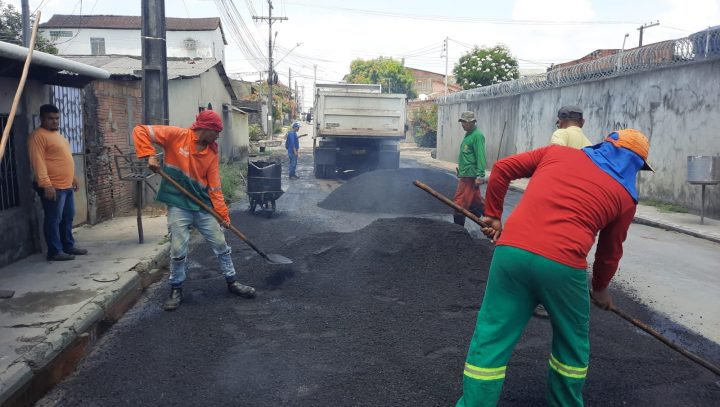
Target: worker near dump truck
471,169
569,133
541,253
292,144
191,159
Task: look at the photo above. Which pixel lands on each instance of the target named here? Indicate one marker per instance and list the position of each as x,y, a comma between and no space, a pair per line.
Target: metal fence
69,102
701,46
9,191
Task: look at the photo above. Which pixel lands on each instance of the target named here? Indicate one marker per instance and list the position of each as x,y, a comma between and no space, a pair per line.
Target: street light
288,53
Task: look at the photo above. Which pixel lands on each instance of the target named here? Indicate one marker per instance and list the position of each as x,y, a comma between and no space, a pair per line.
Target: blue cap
296,125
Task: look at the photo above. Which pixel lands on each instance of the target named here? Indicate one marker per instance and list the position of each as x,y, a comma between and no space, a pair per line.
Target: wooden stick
442,198
20,88
695,358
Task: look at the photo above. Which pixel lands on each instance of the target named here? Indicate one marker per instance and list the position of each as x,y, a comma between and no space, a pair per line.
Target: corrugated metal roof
128,22
132,66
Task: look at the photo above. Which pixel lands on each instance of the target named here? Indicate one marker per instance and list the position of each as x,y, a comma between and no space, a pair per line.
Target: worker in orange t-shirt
191,159
55,182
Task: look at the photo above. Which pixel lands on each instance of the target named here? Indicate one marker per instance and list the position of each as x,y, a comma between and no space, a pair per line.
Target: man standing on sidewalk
541,258
55,182
191,159
471,168
292,143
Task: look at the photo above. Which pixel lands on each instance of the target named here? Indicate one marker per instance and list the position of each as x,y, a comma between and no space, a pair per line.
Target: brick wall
112,109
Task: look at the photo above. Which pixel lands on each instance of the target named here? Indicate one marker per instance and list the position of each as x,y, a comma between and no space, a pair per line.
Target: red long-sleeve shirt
568,200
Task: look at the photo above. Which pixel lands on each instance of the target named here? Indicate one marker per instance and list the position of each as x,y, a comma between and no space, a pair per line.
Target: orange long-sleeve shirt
197,171
51,159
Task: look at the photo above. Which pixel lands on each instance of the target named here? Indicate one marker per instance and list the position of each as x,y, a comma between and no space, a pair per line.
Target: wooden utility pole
272,77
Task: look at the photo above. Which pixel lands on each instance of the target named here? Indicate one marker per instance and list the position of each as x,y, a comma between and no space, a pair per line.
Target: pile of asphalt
392,192
377,317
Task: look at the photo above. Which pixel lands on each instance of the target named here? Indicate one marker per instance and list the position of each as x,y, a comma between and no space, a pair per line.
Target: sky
333,33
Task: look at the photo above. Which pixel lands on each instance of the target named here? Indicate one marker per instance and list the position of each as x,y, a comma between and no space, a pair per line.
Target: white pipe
19,53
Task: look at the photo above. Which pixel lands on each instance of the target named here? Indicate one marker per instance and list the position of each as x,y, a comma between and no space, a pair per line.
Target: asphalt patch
392,192
377,317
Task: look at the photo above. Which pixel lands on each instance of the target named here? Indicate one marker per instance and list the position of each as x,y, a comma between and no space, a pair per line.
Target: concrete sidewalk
59,308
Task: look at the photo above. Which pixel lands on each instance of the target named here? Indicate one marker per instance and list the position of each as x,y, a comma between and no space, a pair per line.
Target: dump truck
357,129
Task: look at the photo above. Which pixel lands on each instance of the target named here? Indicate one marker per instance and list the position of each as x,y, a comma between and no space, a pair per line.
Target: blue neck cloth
620,163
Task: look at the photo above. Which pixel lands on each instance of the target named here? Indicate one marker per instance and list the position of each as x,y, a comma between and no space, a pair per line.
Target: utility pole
292,115
643,27
445,53
25,22
271,76
297,106
154,78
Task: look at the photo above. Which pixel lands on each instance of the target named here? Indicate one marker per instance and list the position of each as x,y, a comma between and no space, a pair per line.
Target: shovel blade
278,259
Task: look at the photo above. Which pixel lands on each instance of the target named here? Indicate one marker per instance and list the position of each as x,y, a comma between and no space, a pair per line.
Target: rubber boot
459,219
174,300
241,290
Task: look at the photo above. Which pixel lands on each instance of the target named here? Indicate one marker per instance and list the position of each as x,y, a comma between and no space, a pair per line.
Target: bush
256,132
424,124
232,174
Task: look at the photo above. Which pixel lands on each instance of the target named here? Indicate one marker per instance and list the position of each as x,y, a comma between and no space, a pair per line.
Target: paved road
370,314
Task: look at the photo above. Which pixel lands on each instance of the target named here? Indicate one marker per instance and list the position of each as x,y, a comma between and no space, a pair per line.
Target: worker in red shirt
191,159
541,253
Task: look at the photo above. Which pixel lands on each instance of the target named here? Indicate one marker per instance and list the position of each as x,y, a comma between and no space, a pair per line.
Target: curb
34,373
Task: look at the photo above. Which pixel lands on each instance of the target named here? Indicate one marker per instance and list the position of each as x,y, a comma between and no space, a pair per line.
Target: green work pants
518,282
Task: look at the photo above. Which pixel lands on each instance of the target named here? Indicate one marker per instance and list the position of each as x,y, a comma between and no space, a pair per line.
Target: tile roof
129,22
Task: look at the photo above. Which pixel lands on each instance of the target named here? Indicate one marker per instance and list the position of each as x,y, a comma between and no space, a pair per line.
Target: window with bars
56,35
9,192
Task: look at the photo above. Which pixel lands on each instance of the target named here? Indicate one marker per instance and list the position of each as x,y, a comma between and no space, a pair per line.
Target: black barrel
264,176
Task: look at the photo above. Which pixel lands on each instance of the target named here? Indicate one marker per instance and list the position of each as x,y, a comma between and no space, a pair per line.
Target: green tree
485,66
391,74
424,121
11,29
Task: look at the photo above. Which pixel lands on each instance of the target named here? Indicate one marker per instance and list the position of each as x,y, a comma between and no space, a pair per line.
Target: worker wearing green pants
520,280
573,197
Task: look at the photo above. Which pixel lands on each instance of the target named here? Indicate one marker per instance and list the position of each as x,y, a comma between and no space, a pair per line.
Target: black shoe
61,257
76,251
174,300
241,290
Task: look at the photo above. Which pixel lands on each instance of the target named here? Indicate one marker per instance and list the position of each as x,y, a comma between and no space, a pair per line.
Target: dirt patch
392,192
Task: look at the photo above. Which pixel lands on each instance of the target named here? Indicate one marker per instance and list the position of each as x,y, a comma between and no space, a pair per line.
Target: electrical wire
461,19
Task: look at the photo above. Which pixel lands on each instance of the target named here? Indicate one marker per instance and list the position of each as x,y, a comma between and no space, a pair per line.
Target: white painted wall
209,44
187,95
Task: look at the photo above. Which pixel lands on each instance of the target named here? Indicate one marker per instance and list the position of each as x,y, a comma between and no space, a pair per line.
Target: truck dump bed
359,113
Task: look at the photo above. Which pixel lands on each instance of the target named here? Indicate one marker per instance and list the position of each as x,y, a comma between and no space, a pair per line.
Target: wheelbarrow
264,185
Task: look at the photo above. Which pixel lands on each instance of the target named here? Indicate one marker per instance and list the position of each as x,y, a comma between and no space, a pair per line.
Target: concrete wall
21,234
678,108
236,139
209,44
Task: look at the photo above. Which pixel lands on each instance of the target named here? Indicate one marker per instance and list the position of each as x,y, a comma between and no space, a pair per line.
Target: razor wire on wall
704,45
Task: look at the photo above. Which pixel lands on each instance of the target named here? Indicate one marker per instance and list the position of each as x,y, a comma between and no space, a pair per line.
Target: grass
232,175
666,207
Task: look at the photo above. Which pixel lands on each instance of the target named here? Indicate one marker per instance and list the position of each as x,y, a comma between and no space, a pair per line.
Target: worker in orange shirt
191,159
55,182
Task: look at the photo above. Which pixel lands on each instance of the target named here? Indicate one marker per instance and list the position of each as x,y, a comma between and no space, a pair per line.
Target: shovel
270,258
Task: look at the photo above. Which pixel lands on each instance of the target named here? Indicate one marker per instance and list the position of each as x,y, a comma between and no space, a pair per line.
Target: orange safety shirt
197,171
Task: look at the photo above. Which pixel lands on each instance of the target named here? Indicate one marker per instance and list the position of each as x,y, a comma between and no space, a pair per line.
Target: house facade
430,85
120,35
51,79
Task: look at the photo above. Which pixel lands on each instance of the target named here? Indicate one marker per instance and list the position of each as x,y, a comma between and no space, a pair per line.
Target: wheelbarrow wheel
270,210
253,206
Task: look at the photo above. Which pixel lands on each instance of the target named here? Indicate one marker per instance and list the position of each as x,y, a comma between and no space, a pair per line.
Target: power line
461,19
